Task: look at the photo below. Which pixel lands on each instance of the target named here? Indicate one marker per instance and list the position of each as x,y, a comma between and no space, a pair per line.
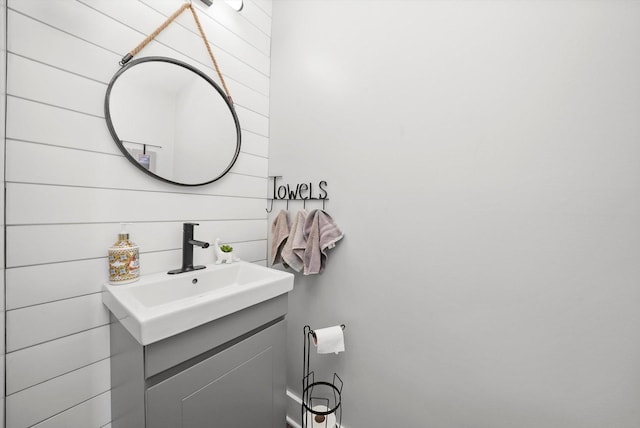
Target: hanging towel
293,251
279,235
321,234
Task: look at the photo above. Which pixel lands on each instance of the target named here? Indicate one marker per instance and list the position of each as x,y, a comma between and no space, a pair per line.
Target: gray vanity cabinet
229,373
229,389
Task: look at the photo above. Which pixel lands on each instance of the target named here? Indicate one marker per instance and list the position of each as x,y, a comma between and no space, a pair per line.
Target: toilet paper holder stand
313,333
321,400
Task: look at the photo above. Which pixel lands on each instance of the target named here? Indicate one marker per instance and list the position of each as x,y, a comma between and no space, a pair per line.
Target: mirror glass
172,121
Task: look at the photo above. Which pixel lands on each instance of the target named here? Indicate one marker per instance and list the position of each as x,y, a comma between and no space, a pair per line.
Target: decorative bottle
124,262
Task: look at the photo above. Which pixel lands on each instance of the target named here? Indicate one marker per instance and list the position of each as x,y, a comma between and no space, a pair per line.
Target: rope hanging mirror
164,25
170,119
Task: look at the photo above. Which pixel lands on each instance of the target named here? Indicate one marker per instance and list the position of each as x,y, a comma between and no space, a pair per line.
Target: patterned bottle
124,264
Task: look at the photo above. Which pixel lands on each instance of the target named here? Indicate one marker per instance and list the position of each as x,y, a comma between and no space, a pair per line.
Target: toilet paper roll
329,421
330,339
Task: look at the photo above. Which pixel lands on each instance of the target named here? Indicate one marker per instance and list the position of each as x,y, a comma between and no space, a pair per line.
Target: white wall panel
81,241
187,40
222,16
248,87
38,403
72,17
32,163
3,129
41,123
54,165
3,283
32,80
257,16
87,59
57,205
247,97
62,50
234,71
253,121
33,285
252,165
264,5
255,144
92,55
91,413
26,367
69,186
40,323
243,42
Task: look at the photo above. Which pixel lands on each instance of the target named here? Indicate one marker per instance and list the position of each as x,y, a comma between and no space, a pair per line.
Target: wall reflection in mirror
172,121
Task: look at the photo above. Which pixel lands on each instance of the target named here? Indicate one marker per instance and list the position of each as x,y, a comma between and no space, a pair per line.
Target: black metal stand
321,401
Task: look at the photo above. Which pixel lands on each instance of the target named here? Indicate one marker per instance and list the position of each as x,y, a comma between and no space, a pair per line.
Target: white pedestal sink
161,305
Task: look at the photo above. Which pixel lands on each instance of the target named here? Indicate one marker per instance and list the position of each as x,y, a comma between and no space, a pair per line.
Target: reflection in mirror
172,121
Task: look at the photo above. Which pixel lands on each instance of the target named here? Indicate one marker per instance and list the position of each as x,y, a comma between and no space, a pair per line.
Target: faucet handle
189,226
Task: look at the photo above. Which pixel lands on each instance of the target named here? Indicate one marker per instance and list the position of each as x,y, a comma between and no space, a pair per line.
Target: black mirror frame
118,141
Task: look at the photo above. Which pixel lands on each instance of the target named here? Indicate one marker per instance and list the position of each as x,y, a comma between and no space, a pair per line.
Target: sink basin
160,305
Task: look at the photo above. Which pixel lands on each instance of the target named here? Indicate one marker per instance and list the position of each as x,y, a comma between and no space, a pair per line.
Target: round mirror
172,121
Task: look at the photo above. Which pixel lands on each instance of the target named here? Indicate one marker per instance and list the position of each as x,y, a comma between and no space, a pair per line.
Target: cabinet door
240,387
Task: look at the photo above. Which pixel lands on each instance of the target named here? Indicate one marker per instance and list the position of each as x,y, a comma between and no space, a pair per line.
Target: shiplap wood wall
3,91
68,186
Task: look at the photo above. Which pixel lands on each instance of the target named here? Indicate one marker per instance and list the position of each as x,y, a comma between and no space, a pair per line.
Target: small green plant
226,248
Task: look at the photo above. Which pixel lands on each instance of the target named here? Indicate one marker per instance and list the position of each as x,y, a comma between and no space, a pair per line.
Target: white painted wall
482,160
68,186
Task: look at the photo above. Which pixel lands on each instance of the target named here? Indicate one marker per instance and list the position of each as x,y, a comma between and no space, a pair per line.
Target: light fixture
236,4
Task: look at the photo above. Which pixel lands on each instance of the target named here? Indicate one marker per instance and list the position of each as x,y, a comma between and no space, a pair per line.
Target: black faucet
187,249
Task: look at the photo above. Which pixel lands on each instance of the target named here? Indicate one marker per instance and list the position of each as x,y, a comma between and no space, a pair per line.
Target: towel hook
287,204
304,204
270,207
323,199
